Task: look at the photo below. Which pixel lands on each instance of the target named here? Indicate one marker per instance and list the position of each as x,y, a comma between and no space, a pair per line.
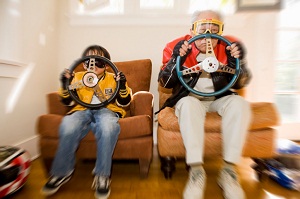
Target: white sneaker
195,185
228,181
54,183
101,185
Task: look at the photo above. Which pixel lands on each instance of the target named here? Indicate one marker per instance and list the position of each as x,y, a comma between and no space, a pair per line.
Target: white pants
235,112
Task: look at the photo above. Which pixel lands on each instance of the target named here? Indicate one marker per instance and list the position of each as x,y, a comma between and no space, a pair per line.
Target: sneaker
54,183
228,181
195,185
102,186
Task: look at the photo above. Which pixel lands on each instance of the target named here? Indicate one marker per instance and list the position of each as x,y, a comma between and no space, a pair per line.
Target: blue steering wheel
210,64
90,80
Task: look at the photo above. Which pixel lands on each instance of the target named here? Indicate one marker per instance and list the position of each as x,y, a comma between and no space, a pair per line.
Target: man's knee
189,102
240,104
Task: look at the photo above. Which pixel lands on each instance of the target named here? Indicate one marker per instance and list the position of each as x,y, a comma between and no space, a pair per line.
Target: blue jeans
106,128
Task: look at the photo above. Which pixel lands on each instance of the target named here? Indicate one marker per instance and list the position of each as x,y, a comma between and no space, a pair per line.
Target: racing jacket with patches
107,84
168,77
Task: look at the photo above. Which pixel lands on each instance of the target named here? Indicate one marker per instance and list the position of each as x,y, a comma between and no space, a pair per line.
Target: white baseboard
31,146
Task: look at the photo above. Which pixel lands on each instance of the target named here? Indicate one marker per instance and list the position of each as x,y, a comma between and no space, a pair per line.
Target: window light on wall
100,7
145,12
156,4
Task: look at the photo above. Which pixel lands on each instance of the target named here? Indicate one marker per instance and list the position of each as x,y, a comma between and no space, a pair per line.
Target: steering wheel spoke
194,69
225,69
209,47
91,66
76,85
99,94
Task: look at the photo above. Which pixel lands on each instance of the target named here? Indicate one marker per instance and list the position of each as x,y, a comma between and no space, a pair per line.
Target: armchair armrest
54,104
142,104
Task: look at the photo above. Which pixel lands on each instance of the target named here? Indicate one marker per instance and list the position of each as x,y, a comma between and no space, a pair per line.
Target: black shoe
54,183
102,186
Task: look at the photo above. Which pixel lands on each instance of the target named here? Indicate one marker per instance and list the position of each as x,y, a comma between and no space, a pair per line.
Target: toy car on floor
284,168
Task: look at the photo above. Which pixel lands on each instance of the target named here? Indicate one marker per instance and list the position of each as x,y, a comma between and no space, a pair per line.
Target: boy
80,120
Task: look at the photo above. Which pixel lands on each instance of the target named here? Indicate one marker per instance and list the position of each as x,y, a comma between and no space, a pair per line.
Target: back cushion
137,72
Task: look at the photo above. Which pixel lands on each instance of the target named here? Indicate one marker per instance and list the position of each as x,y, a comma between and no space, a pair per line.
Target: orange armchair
136,137
259,144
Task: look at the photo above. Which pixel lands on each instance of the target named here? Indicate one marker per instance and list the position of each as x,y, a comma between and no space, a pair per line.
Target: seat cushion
264,114
131,127
259,143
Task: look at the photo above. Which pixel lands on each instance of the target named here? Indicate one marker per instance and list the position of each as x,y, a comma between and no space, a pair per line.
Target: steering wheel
210,64
90,80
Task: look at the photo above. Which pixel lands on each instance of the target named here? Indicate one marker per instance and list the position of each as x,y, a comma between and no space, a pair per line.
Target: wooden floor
126,183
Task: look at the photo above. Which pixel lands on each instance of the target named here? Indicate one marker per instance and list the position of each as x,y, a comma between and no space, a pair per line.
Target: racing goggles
98,64
207,26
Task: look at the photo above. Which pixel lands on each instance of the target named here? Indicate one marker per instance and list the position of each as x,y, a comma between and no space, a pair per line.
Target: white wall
28,35
256,30
43,37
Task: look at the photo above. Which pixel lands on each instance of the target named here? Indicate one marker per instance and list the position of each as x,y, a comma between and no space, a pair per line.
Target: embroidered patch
108,91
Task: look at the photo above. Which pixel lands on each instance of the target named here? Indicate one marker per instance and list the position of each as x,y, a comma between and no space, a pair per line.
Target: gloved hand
121,77
64,78
236,50
181,48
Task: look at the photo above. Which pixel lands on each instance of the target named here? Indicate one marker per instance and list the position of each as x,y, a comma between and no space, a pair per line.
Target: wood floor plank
126,183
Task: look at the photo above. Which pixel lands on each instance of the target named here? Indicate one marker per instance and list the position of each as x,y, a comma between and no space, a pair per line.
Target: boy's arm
65,97
63,92
124,96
